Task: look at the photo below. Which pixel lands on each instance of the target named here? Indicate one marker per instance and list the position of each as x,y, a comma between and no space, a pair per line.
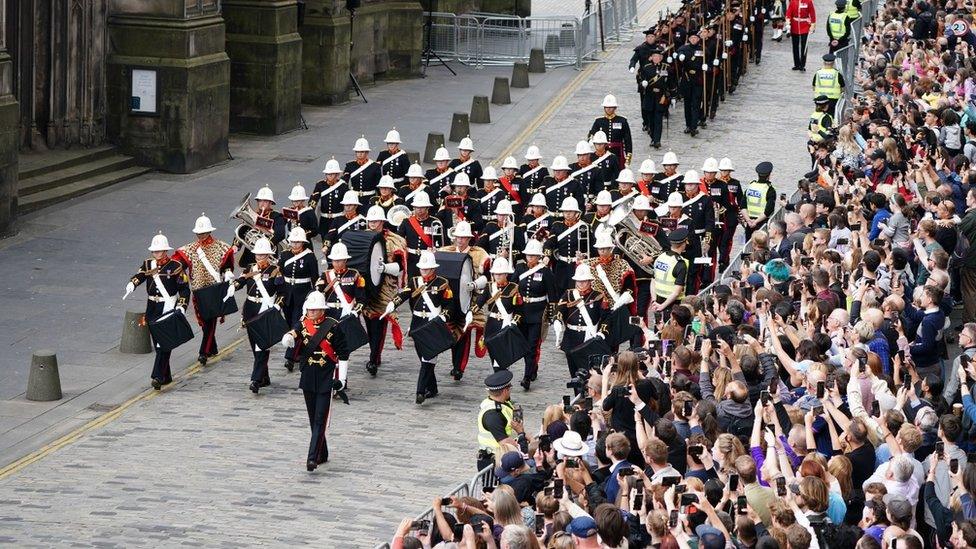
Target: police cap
821,100
841,3
678,235
829,58
764,168
650,30
499,380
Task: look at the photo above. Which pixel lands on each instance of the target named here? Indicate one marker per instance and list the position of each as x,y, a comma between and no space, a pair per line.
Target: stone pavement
206,462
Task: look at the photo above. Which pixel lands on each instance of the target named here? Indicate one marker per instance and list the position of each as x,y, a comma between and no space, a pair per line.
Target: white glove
624,299
745,37
631,70
715,62
600,335
557,328
704,66
129,288
728,43
644,83
591,332
229,276
343,370
230,292
725,56
752,18
468,317
391,269
670,59
480,282
288,341
442,317
390,307
681,57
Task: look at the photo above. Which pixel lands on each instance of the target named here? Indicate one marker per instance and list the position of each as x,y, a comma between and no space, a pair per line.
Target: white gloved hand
681,57
715,62
468,318
229,276
590,333
480,282
390,307
230,292
625,299
391,269
600,335
129,288
343,371
631,69
745,37
288,340
725,56
557,328
670,59
728,43
644,83
704,66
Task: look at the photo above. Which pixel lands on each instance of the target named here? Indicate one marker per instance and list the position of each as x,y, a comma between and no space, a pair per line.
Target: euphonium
634,245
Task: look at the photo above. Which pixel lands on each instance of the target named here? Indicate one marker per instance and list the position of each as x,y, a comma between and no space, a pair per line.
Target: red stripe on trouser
465,342
538,353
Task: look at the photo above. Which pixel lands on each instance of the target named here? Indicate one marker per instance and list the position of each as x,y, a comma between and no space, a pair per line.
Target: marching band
484,263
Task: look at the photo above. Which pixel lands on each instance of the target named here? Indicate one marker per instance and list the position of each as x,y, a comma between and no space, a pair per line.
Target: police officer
322,373
820,124
537,286
300,270
617,130
464,163
350,220
167,288
263,283
829,81
362,174
839,26
393,161
497,423
580,315
327,196
421,231
533,173
430,296
759,197
654,101
670,274
416,185
301,215
691,59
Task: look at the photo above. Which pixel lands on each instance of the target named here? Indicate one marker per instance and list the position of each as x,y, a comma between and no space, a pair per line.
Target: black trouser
259,372
533,334
318,405
208,344
799,50
757,44
840,44
736,65
376,333
654,119
724,238
292,311
692,94
426,379
161,370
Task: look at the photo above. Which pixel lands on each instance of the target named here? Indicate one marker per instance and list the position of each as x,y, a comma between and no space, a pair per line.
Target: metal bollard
552,44
460,127
500,94
435,140
520,75
537,61
135,336
479,110
44,382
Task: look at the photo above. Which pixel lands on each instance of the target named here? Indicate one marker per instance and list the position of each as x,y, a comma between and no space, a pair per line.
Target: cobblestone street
207,463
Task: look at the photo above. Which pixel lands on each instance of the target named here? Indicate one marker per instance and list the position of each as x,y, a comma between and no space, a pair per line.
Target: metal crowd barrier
482,39
848,56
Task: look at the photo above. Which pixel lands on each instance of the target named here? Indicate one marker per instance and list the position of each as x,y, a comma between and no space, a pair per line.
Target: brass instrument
437,230
248,233
506,240
629,240
397,215
583,242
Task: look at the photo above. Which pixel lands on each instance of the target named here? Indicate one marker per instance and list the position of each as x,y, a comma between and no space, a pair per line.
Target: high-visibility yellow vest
836,24
827,82
756,198
664,279
486,440
817,126
852,11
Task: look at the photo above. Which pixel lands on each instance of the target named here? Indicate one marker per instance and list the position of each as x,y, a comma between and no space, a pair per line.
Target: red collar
206,241
163,261
429,278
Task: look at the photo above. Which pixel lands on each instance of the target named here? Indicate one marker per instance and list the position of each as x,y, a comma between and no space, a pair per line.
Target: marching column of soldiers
697,54
483,261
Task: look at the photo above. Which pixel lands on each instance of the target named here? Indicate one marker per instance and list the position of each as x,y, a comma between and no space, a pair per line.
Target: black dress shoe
687,130
656,145
310,465
457,374
265,383
156,384
431,394
702,124
795,68
290,365
694,133
372,367
420,398
324,459
526,384
254,387
202,359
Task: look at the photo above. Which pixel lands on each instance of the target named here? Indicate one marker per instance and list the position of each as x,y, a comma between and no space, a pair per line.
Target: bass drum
459,272
368,251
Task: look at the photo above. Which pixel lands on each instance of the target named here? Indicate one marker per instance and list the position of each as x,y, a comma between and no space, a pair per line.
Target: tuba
635,245
247,233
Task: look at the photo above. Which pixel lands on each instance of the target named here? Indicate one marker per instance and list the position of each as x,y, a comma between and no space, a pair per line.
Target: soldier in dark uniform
351,220
393,161
642,53
416,185
713,49
327,196
344,288
725,195
262,281
599,219
584,171
440,176
167,288
642,212
300,270
607,163
362,174
458,206
319,347
690,59
490,194
503,232
580,315
464,163
645,182
387,197
735,43
700,215
536,222
264,207
501,303
567,239
625,191
533,173
422,232
616,129
513,185
560,186
537,286
300,215
757,20
668,181
653,79
436,303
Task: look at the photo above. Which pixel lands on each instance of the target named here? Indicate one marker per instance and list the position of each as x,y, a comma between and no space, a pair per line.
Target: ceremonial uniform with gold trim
364,182
470,211
460,352
440,294
591,177
300,272
319,380
328,199
394,165
254,304
471,167
568,313
353,288
438,182
340,225
607,168
563,250
376,301
617,130
533,180
488,301
176,283
425,239
539,295
221,257
408,194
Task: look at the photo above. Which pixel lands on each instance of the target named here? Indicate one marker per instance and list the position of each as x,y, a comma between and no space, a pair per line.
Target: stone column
9,122
183,42
325,52
265,53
